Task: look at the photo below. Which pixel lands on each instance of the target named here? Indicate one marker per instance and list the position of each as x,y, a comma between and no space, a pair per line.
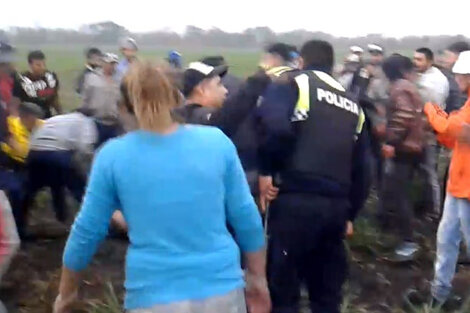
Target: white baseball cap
462,66
128,43
353,58
375,48
110,58
356,49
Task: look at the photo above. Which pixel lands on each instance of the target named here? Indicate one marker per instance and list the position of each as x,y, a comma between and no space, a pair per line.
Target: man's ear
199,89
301,63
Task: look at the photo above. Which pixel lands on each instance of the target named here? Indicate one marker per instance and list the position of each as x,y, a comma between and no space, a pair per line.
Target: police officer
313,154
277,60
369,87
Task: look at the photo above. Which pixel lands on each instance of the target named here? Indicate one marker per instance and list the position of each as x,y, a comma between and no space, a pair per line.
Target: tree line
108,33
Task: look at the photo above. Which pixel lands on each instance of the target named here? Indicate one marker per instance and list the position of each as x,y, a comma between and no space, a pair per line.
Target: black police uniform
307,221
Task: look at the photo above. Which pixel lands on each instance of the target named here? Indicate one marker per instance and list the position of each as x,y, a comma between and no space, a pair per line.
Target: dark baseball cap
199,71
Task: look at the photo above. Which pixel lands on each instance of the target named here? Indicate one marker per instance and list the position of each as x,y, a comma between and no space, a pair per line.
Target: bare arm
68,291
257,293
255,269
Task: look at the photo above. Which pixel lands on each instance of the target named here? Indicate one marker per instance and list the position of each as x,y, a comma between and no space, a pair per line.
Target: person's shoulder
91,76
204,131
115,147
13,121
402,86
207,135
18,76
438,73
49,72
194,114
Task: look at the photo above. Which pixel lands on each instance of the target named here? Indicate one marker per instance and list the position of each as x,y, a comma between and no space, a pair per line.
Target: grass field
375,286
67,62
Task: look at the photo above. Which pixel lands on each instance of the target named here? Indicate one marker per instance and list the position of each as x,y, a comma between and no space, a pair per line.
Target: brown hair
151,93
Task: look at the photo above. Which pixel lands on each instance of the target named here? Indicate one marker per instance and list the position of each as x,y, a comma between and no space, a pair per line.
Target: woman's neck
163,126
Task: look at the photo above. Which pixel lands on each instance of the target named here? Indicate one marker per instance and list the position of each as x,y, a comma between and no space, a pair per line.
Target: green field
67,62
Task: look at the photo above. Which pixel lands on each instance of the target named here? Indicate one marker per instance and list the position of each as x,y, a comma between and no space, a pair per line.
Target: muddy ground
375,284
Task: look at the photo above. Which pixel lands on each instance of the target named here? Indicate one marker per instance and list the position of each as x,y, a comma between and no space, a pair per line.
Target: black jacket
277,144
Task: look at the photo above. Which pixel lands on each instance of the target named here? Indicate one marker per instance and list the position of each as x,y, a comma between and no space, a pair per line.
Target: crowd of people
235,193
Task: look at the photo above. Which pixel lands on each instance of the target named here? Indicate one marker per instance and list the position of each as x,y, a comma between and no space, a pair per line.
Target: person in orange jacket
454,132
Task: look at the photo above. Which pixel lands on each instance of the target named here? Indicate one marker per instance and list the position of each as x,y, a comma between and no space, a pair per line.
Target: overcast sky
338,17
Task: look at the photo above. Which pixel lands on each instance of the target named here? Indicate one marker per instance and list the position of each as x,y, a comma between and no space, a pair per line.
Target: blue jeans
455,222
432,193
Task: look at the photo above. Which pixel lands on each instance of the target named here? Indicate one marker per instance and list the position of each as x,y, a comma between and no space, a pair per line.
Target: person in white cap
101,96
128,47
370,86
357,51
376,54
454,132
351,65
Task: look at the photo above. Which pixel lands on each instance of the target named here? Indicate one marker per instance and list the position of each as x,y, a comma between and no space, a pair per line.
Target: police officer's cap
373,48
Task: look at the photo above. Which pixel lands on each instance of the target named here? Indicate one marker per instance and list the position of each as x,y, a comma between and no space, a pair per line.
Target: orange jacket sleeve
446,126
446,141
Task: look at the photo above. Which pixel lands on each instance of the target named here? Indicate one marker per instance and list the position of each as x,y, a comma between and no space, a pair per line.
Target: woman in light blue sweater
177,186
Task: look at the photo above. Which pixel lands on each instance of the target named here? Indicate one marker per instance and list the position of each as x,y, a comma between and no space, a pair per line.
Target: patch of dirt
375,285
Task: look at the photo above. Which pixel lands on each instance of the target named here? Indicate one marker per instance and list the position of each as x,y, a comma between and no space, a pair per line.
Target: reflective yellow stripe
278,71
303,103
360,122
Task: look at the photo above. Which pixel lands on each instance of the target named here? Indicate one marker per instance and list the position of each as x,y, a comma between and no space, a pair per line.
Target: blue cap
174,55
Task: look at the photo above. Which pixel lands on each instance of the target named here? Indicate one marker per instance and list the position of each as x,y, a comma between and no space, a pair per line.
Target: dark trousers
54,169
106,132
306,245
396,210
377,164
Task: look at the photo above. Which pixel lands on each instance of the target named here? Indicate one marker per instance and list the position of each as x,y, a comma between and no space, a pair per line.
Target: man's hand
349,229
380,130
388,151
118,220
64,305
267,191
68,291
257,295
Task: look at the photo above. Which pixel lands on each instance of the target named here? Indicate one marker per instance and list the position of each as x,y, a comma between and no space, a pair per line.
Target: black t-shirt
40,90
